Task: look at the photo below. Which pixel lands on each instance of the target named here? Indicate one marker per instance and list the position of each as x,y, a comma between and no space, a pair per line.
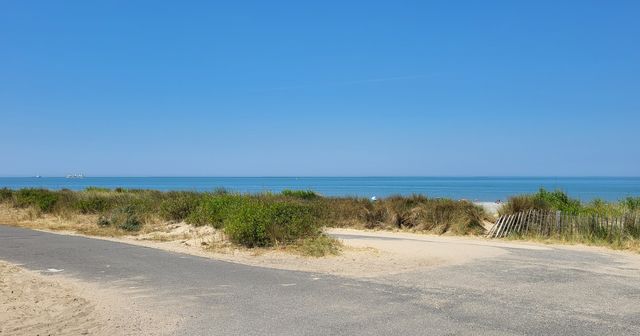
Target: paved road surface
533,292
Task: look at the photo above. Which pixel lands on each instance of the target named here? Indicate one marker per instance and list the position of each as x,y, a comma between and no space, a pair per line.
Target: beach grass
596,223
292,217
560,201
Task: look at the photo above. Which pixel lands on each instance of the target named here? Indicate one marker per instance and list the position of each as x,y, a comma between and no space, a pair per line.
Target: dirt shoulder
35,304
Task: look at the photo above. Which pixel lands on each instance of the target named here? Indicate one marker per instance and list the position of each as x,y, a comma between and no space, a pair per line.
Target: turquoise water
472,188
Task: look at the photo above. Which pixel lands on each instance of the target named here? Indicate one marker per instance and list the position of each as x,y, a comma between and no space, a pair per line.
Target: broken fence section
556,223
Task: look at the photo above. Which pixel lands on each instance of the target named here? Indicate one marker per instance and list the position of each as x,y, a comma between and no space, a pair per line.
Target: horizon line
328,176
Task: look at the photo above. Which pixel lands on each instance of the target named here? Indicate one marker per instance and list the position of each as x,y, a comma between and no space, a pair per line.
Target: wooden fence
555,223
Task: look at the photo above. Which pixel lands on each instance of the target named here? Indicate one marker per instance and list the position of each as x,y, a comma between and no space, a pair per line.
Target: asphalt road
523,292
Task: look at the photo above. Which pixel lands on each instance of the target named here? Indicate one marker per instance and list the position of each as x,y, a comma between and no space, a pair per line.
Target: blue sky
271,88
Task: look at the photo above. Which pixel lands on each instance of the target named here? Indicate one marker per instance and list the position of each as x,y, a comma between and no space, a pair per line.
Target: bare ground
35,304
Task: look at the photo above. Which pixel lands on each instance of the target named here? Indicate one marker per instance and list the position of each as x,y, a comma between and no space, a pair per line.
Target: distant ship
38,176
73,176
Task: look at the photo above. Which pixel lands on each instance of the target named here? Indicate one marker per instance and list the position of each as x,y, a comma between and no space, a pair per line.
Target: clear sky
270,88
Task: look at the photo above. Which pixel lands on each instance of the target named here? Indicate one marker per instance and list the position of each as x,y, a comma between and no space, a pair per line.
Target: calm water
472,188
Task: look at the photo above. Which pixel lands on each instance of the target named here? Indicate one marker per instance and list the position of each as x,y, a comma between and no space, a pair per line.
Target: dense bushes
41,199
213,209
631,203
91,203
256,220
520,203
259,223
178,206
5,194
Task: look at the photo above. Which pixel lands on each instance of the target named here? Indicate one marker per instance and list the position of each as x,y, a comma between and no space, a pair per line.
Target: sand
34,304
490,207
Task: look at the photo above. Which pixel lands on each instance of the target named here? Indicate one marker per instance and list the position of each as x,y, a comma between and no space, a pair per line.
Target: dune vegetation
612,224
292,217
559,200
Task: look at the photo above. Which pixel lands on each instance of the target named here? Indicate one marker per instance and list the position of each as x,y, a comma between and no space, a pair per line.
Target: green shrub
602,208
303,194
559,200
92,203
213,209
42,199
343,211
247,225
520,203
148,201
65,203
126,218
257,223
631,203
178,205
131,223
542,200
97,189
289,222
6,195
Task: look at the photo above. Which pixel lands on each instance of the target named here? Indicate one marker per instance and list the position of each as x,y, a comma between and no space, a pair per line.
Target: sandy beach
490,207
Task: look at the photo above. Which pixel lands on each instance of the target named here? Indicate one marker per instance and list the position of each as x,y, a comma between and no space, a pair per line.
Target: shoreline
476,189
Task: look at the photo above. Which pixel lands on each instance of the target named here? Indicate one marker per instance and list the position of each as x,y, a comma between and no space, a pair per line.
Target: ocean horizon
483,189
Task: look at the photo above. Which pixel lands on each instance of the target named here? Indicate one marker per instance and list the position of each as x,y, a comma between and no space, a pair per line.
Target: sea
481,189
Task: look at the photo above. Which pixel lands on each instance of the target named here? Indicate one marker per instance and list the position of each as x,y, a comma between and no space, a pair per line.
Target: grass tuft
302,194
319,246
